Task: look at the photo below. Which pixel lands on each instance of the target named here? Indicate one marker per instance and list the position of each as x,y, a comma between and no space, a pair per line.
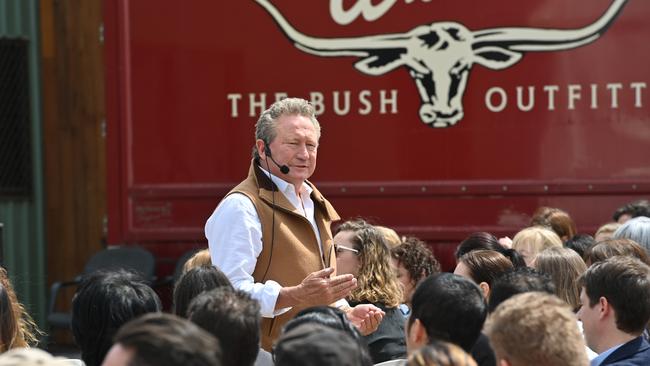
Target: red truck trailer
439,117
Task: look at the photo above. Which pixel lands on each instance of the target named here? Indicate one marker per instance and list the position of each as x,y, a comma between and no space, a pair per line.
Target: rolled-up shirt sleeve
234,234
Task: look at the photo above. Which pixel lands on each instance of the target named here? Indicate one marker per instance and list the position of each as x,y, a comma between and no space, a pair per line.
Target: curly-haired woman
362,251
413,261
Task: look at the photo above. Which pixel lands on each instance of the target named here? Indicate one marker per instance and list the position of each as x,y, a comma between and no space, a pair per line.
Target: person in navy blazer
615,311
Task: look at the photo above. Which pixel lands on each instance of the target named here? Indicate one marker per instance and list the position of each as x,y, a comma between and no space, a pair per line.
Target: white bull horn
356,46
537,39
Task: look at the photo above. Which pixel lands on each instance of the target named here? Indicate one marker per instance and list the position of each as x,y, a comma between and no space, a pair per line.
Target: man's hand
317,289
365,317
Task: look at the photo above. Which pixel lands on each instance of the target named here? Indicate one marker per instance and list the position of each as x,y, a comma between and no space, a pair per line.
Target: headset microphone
283,168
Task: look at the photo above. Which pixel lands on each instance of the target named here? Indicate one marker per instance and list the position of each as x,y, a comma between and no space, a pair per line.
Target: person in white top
287,136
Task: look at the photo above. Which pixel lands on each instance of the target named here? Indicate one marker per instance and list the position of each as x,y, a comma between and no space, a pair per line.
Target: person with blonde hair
532,240
536,328
33,357
565,267
440,353
199,259
392,239
606,231
361,250
18,328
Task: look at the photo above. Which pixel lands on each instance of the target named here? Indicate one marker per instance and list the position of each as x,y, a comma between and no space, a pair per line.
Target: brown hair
565,267
615,247
417,259
486,265
558,340
555,219
607,231
23,332
625,283
438,353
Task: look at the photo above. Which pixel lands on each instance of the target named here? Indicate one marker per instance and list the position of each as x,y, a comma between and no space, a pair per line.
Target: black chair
132,258
178,269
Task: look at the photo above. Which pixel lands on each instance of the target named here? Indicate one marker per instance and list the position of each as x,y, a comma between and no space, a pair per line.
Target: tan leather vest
290,251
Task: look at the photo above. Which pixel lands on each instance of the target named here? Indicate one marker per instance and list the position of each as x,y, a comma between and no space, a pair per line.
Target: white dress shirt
234,234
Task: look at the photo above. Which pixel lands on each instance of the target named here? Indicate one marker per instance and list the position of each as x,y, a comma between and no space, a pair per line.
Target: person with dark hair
483,267
104,301
233,317
632,210
478,240
163,340
413,261
615,311
486,241
195,281
312,344
325,315
518,281
446,307
579,243
333,318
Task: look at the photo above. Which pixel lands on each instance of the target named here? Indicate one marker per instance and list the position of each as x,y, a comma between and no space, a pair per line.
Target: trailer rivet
424,189
545,188
634,186
590,187
504,188
381,189
343,189
463,188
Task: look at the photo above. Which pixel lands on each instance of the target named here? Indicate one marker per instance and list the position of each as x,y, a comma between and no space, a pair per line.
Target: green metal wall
23,235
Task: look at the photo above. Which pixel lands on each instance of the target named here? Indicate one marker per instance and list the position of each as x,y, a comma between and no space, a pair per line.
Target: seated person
361,251
536,328
412,261
615,311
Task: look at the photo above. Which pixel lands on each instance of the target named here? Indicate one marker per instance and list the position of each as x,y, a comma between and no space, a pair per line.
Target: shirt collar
286,187
601,357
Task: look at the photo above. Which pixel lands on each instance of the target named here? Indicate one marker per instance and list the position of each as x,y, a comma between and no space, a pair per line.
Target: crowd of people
281,283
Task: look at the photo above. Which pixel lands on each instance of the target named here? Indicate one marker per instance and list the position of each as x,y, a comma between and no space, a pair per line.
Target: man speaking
271,233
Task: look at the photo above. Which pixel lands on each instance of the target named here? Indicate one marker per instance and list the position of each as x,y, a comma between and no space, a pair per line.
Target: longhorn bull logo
440,55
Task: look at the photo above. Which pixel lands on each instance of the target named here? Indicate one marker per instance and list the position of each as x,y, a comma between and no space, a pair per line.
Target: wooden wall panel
74,147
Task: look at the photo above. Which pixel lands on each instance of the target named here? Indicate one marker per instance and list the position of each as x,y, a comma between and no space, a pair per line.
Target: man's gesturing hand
317,289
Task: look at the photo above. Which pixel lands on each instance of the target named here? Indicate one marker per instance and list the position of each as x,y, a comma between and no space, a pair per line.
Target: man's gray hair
265,126
637,229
